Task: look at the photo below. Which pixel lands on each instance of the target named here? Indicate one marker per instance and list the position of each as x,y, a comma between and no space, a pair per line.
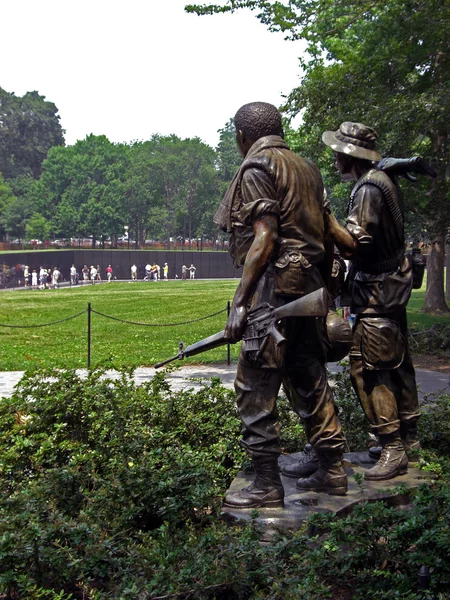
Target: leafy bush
292,432
434,424
86,461
112,491
431,340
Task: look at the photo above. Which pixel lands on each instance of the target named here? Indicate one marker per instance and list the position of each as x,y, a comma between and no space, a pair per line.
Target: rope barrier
44,324
159,324
90,310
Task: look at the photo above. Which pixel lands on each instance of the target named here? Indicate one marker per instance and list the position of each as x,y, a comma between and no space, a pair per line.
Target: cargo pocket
294,274
382,344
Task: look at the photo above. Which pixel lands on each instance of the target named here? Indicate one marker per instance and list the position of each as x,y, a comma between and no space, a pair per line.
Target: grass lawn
112,343
118,344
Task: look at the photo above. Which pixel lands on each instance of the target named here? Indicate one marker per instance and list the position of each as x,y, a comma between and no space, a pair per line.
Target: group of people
153,272
52,277
42,278
184,272
45,278
90,274
283,234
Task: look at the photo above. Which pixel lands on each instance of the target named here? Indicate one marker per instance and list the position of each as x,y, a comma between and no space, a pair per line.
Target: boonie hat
354,139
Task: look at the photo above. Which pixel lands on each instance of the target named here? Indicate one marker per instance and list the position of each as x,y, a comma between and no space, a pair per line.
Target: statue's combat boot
393,460
307,464
410,439
330,477
265,491
375,451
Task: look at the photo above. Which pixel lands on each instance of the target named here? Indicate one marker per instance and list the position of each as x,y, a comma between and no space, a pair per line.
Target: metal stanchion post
89,336
228,345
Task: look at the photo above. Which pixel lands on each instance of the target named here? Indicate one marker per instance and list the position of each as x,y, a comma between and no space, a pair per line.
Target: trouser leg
256,391
311,398
375,390
306,384
388,396
405,380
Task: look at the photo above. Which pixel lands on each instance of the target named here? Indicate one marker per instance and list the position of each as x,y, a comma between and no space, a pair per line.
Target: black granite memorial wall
209,265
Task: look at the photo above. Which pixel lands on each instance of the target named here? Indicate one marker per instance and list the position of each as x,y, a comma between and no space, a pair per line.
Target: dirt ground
432,362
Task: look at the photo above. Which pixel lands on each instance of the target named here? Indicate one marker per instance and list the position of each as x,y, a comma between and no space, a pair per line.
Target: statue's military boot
265,491
410,439
330,478
307,464
392,462
375,452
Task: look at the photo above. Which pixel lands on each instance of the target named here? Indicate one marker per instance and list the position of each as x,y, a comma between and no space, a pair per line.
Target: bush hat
354,139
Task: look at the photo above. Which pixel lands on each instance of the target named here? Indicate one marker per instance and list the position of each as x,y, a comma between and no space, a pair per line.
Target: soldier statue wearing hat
378,287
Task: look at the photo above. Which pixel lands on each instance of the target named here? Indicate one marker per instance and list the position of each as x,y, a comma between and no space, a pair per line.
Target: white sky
131,69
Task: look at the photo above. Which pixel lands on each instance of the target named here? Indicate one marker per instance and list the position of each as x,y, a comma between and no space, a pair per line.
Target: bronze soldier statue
274,212
379,286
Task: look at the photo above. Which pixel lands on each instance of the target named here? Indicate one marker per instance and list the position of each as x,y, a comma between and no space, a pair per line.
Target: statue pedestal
300,505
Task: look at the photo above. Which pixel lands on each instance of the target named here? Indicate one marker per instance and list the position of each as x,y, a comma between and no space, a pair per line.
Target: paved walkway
429,382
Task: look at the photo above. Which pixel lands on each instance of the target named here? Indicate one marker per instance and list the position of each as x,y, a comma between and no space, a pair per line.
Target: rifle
261,323
403,167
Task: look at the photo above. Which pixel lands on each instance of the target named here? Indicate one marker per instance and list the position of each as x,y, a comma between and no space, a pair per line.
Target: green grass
119,344
419,319
112,343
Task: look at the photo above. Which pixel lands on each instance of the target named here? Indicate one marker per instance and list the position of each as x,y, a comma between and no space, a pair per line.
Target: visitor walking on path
85,272
55,278
93,274
73,275
148,272
192,270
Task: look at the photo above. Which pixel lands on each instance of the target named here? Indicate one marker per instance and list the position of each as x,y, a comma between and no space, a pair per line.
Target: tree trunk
435,296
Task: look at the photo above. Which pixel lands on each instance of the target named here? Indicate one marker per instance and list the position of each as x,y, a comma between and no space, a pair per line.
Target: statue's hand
236,323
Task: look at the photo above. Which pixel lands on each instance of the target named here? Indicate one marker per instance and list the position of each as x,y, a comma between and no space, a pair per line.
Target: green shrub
432,340
87,462
112,491
292,432
434,424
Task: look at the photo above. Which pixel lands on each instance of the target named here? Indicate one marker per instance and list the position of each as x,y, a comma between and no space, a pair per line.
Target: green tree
229,158
171,184
145,214
84,185
383,63
15,217
6,199
29,127
199,188
37,227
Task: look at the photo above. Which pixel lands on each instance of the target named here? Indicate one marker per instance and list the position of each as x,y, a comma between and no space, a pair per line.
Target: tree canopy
165,188
29,127
384,63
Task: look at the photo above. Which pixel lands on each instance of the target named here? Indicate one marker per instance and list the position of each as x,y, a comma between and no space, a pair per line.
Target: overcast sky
133,68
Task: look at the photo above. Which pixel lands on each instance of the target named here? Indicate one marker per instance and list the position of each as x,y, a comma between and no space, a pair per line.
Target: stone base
300,505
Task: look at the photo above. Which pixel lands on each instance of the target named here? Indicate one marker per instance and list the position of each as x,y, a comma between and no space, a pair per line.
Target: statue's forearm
340,236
